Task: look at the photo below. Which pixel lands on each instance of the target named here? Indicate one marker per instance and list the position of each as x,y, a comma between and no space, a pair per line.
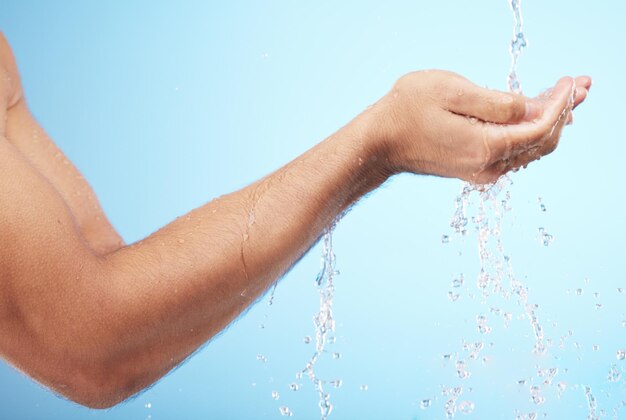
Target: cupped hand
439,123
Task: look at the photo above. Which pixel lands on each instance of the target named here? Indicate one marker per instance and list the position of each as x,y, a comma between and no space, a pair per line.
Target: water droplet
453,296
148,405
535,395
614,374
459,92
285,411
261,358
544,237
521,382
446,357
466,407
307,339
461,371
445,239
579,292
621,354
336,383
336,355
481,323
181,241
265,56
450,408
595,347
508,316
424,404
542,206
364,387
275,395
294,386
458,281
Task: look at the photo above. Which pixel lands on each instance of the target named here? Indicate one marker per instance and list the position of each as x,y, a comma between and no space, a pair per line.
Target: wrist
370,136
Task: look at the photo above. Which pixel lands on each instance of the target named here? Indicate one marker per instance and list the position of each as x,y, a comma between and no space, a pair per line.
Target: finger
581,95
506,140
491,105
584,82
552,141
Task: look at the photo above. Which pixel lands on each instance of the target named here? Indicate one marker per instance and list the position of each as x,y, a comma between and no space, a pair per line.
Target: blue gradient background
166,105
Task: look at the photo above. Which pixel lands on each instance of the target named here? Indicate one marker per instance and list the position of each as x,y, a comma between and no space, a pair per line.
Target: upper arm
23,131
43,261
42,153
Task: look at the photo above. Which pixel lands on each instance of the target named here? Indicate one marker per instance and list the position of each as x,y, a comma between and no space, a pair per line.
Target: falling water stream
480,209
496,278
324,322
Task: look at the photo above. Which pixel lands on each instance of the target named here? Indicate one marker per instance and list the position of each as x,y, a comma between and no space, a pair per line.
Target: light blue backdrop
166,105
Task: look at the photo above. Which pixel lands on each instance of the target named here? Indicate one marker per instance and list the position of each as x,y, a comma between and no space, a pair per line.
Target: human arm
99,328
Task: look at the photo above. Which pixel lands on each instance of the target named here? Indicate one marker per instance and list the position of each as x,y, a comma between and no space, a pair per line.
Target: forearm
99,329
23,131
186,282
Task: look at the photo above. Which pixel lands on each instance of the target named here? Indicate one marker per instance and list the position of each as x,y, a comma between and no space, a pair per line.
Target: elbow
96,389
97,399
97,382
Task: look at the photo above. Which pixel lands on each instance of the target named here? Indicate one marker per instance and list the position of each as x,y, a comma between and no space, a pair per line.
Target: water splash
496,275
324,322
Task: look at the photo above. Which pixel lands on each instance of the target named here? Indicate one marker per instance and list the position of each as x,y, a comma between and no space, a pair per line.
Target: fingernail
533,111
